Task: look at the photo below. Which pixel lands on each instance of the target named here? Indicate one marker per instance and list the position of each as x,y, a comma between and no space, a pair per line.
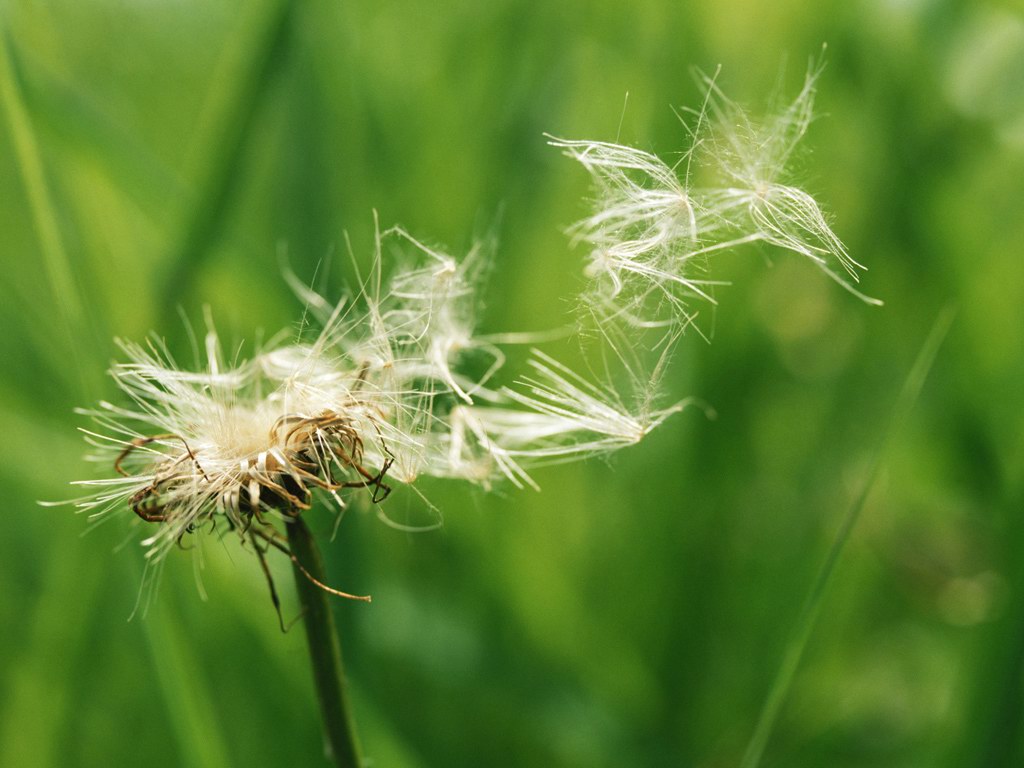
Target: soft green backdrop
162,153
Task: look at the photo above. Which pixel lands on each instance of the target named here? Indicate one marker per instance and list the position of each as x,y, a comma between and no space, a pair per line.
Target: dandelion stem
808,615
342,742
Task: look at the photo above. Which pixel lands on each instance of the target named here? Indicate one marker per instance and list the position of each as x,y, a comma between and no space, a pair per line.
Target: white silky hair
397,382
651,232
399,362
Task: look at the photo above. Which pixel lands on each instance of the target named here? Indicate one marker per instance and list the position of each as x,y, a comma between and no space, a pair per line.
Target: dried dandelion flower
214,448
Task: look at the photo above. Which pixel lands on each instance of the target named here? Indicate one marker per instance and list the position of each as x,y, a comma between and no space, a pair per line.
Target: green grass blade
809,613
236,104
56,264
67,116
192,713
36,695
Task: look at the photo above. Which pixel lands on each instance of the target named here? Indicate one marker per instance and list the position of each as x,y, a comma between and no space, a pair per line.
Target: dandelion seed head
394,385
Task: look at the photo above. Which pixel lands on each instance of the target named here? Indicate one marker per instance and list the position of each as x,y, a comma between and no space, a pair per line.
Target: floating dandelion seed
646,218
753,157
652,232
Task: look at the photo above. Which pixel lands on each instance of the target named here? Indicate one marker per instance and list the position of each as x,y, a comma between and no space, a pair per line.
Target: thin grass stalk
56,262
342,741
812,607
30,165
54,634
211,204
192,714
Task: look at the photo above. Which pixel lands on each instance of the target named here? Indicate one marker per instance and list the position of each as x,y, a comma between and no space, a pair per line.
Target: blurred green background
163,153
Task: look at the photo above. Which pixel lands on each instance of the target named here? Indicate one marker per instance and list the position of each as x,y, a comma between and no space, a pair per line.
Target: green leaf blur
166,154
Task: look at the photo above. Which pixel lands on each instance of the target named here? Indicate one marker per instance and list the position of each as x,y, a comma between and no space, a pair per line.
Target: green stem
324,650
